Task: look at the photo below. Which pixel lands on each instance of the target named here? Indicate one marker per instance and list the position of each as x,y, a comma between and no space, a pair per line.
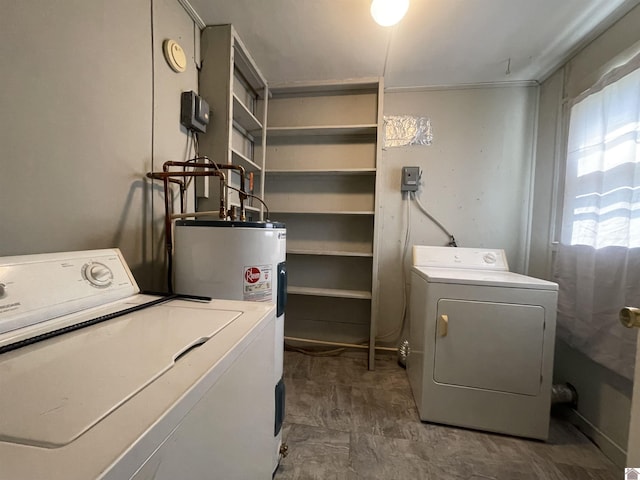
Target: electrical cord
87,323
397,332
452,240
190,143
191,140
196,144
315,353
215,165
404,261
252,196
196,150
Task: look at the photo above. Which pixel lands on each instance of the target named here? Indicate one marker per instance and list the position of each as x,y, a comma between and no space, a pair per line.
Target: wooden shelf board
329,292
238,158
322,171
329,253
247,67
326,87
244,117
289,212
322,130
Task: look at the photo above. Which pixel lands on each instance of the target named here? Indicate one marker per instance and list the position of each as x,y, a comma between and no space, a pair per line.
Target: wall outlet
410,179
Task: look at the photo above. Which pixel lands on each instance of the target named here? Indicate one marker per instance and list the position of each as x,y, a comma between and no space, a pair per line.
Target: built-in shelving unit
321,180
237,94
238,158
331,253
245,118
324,212
328,130
329,292
319,171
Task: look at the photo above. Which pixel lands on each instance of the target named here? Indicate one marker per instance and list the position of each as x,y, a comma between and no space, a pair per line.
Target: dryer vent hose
564,393
403,352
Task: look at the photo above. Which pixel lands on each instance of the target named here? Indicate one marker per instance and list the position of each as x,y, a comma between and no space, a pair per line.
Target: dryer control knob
2,289
489,258
97,274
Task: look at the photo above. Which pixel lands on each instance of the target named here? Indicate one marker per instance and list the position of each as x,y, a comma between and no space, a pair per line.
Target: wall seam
532,183
153,129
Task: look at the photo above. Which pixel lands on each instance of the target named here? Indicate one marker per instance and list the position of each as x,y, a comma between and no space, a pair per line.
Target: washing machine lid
90,373
489,278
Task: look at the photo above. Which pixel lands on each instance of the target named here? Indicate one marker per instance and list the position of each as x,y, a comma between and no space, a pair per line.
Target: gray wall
476,179
605,398
80,122
547,169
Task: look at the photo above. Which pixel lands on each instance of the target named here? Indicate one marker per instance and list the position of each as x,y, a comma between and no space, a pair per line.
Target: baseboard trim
611,449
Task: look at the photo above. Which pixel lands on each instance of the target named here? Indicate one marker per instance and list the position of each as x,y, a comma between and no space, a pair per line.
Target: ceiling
439,42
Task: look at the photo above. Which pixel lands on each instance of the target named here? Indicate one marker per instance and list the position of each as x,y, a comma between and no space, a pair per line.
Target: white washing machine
482,342
98,381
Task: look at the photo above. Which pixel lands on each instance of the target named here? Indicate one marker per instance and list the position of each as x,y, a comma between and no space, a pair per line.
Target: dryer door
491,346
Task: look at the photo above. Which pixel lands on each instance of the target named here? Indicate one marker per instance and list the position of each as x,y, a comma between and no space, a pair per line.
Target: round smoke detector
174,54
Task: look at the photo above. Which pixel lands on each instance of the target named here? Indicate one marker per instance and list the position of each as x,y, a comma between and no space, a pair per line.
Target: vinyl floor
346,422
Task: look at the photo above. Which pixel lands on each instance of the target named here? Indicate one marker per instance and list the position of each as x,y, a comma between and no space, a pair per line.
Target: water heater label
257,283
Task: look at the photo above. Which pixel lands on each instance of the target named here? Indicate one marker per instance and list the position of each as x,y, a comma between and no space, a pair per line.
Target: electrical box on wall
194,112
410,179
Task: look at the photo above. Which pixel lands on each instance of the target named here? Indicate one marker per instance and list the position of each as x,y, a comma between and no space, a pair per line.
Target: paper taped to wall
403,130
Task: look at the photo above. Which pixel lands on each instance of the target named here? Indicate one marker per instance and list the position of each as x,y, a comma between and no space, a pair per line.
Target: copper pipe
241,194
172,163
175,216
166,177
181,184
183,190
166,174
224,166
209,170
167,228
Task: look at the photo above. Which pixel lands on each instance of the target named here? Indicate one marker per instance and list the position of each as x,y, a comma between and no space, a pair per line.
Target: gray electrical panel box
410,179
194,112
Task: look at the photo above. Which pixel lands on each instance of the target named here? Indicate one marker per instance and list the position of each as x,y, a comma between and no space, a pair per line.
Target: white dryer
99,381
482,342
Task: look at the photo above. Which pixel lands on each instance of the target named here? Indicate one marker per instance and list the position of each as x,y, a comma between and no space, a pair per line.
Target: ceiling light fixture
388,12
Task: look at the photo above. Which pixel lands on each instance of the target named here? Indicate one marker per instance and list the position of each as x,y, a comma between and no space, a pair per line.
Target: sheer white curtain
597,264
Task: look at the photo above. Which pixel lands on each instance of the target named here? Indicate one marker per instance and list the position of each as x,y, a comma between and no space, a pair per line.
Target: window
602,186
596,263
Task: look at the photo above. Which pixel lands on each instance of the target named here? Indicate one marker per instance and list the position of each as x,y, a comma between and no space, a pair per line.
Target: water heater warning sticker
257,283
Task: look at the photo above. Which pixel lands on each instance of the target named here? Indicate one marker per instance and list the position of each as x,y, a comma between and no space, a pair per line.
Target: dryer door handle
443,325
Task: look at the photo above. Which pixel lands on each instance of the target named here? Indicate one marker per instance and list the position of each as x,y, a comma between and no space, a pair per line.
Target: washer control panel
37,288
452,257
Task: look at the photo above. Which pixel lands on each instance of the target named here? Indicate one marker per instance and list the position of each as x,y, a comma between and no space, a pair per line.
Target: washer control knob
97,274
489,258
2,289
